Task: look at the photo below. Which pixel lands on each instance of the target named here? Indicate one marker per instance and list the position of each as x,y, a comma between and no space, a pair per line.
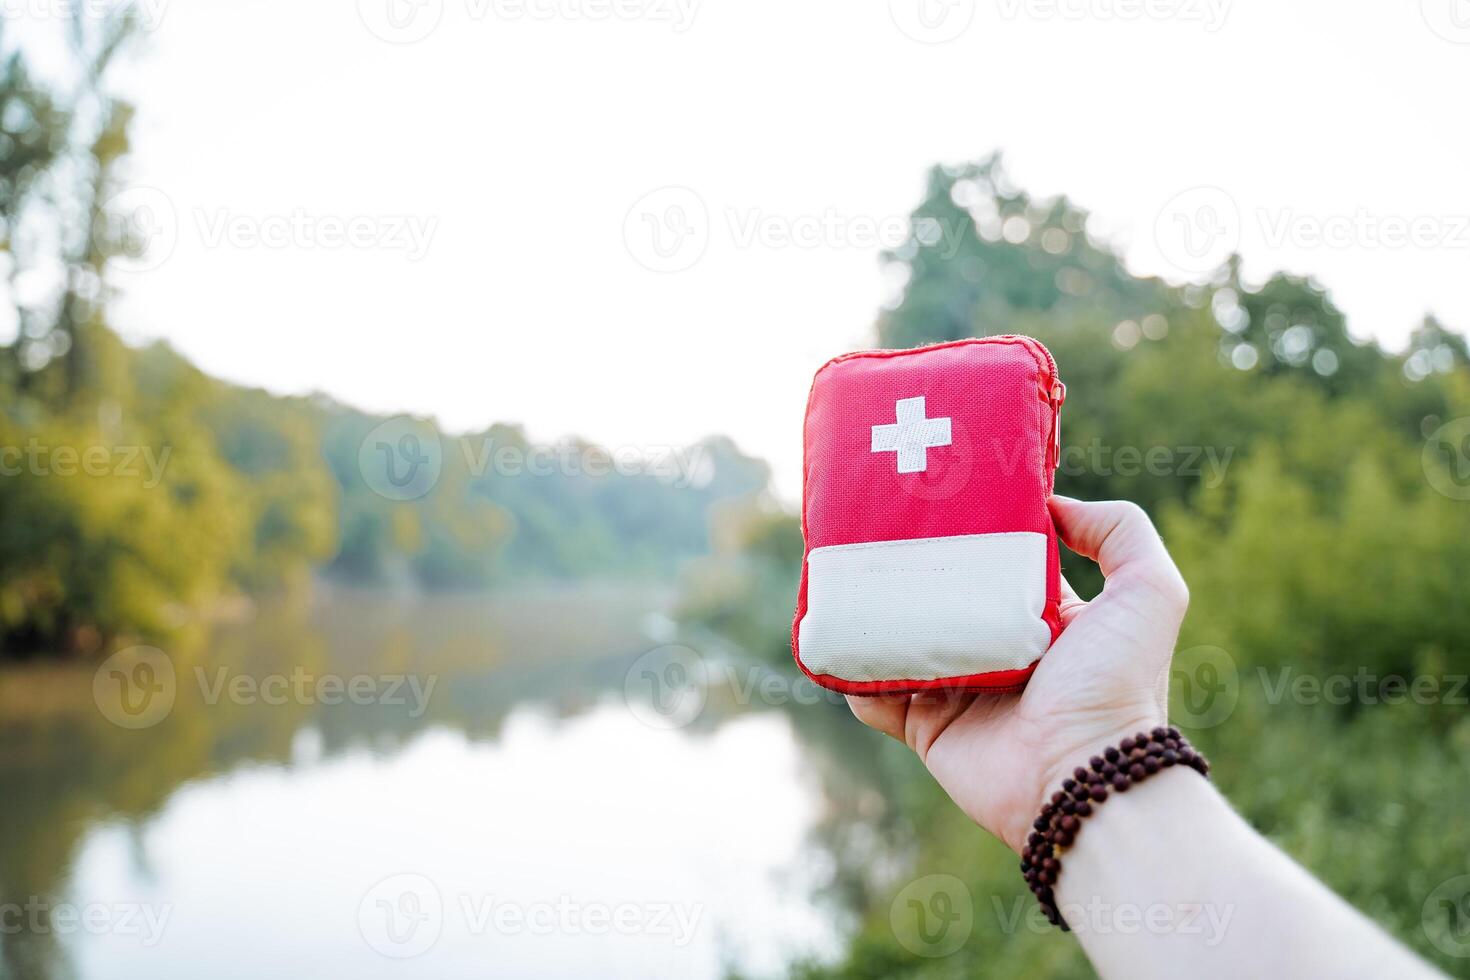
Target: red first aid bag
931,559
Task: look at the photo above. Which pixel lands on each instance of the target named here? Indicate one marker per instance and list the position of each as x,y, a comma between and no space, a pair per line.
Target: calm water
508,787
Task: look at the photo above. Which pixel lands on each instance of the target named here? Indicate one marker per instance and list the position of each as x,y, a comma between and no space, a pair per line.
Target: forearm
1166,880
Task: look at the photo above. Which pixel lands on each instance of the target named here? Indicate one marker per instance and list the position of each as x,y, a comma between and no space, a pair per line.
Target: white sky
522,142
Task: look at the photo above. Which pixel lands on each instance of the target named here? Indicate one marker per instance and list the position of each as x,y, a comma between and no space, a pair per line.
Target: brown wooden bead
1117,769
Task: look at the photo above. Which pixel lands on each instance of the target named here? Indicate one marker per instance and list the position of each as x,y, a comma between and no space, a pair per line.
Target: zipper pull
1057,396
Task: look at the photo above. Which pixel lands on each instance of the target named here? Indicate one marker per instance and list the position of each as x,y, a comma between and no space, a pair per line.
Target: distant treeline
131,506
137,493
1315,490
1315,487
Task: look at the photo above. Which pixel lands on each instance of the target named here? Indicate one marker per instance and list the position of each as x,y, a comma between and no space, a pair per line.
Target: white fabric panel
925,608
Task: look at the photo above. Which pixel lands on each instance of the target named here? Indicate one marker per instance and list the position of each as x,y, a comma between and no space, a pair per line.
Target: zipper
1057,397
1055,393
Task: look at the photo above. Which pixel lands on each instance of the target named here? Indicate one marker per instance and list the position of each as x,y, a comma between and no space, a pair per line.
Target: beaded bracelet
1131,761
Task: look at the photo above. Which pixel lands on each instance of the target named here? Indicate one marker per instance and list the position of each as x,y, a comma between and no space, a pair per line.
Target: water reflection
524,818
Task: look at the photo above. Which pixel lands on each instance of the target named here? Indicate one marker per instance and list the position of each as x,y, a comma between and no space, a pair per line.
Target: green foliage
1291,471
204,490
138,492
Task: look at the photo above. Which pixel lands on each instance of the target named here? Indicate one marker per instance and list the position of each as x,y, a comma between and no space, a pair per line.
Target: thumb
1119,536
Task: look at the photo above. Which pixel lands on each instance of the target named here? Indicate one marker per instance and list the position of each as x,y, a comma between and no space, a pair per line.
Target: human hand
1106,677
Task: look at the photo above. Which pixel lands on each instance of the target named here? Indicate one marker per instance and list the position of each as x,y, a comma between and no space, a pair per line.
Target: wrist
1075,749
1135,760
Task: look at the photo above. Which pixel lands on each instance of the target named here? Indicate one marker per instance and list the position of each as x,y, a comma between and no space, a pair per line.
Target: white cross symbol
912,437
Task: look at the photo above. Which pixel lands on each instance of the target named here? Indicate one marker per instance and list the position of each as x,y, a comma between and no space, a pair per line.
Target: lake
542,783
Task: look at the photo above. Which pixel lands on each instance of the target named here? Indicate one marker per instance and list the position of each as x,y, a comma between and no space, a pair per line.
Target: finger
887,712
1123,541
931,712
1071,603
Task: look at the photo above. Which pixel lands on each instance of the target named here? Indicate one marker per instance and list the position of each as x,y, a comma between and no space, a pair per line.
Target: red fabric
994,476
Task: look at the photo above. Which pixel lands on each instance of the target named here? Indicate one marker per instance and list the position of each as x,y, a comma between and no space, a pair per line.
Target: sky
646,221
